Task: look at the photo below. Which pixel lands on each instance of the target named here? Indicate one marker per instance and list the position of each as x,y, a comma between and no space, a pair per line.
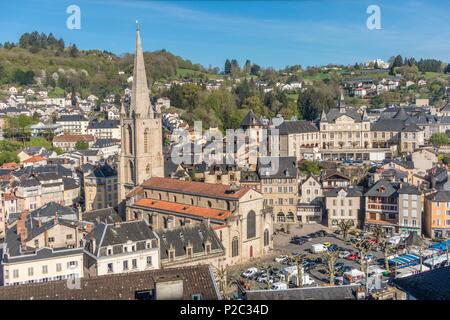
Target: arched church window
130,140
235,247
251,224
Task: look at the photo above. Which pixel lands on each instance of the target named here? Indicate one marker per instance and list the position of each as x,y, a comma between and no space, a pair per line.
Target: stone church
141,154
237,215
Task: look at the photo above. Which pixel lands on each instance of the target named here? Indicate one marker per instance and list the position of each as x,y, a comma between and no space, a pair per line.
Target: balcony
382,207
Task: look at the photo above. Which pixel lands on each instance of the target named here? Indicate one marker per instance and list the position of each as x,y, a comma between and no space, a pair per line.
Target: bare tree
345,226
363,246
387,248
378,233
330,259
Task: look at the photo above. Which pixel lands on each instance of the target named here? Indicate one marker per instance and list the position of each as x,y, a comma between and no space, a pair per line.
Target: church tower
141,155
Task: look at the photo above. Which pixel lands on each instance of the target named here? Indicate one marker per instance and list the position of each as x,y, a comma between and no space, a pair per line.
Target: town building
73,123
100,188
344,204
121,248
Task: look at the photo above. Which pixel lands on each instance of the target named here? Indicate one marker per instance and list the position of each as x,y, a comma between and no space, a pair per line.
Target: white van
318,248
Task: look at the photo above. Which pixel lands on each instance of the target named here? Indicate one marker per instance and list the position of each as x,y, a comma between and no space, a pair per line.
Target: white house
121,247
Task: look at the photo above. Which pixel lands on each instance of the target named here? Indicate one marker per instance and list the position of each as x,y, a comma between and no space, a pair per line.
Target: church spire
140,96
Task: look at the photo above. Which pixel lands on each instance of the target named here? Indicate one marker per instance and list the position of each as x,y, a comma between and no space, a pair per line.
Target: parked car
339,266
352,257
333,247
327,244
344,254
249,272
281,259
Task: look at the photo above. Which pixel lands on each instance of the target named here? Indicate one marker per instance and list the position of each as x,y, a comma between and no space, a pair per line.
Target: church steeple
140,97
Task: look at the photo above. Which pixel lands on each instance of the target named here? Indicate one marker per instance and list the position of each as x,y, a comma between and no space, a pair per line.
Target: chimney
93,243
56,218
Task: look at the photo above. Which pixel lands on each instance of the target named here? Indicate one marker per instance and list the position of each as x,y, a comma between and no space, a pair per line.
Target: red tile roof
33,159
198,188
10,165
184,209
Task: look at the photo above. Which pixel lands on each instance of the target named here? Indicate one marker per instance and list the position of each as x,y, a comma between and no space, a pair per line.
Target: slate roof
104,171
105,124
297,126
440,196
103,143
430,285
108,215
120,233
406,188
72,117
277,167
334,114
50,209
70,183
390,189
197,279
345,292
250,120
180,237
351,192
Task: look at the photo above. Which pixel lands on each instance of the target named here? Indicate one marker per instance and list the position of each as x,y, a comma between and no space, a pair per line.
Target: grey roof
440,196
105,124
250,120
49,168
70,184
104,171
48,176
50,209
249,176
345,292
30,182
277,167
406,188
89,152
72,117
107,215
430,285
334,114
297,126
179,238
383,188
102,143
197,280
118,234
351,192
387,125
404,163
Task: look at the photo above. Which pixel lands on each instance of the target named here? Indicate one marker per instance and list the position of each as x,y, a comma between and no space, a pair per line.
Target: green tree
81,145
307,167
227,68
8,156
439,139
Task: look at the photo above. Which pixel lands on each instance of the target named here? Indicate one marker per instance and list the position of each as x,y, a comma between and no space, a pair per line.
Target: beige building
343,204
279,187
38,251
311,201
100,188
345,133
300,139
236,214
67,142
141,153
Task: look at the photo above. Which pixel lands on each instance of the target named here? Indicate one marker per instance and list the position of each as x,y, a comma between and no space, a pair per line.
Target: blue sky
270,33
